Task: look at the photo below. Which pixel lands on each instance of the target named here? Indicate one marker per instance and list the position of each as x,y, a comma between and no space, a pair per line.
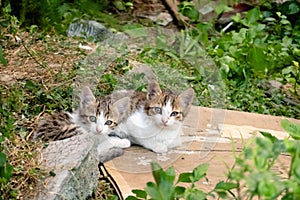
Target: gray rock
88,28
74,161
275,84
162,18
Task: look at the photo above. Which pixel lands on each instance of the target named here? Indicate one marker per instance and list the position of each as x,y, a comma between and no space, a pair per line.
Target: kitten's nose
99,129
165,121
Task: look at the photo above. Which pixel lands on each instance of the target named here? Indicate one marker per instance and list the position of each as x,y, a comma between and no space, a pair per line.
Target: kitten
156,118
96,116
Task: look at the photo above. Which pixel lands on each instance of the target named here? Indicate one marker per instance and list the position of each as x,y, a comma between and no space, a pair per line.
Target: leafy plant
2,58
5,171
250,177
253,48
187,8
292,75
252,168
165,187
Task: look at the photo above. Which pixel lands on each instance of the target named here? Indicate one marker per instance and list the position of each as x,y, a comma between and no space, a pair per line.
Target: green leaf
113,197
222,7
288,196
269,136
267,189
52,173
30,85
199,172
195,194
252,16
131,198
236,18
179,191
169,175
291,128
190,177
256,59
2,59
225,186
166,190
292,8
6,172
278,148
191,13
296,168
157,172
260,162
153,191
140,193
2,159
119,5
288,70
185,177
291,145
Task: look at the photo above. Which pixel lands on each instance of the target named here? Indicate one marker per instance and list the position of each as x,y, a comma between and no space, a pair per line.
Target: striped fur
98,116
58,126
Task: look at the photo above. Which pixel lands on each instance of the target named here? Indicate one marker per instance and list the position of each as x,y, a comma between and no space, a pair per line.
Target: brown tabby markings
58,126
62,125
155,97
104,105
161,100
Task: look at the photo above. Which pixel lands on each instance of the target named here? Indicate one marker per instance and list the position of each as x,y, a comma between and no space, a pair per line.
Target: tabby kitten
157,117
96,116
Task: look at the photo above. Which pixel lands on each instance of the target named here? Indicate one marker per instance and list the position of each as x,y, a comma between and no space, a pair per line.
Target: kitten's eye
174,114
108,122
92,118
157,110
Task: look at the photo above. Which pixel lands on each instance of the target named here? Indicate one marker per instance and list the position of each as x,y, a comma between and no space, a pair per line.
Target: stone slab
207,139
74,164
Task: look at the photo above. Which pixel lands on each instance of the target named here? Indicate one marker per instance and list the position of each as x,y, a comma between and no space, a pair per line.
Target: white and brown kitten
156,118
96,116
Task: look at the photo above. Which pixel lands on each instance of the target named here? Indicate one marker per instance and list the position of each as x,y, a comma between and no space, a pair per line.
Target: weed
259,47
25,170
104,191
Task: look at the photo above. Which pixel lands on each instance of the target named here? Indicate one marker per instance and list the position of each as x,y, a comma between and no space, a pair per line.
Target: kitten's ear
186,99
121,107
86,97
153,90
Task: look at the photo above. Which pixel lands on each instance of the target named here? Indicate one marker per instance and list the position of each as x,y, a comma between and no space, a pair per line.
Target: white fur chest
143,131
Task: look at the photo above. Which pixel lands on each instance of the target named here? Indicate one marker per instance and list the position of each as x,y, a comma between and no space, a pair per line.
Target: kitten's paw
125,143
118,142
160,149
